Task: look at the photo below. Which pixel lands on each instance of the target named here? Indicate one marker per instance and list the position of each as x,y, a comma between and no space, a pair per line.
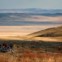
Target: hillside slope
50,32
47,35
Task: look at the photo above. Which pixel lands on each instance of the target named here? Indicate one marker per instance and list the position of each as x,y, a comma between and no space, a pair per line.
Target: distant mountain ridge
33,11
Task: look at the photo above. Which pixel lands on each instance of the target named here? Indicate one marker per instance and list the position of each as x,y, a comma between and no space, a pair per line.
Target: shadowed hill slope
50,32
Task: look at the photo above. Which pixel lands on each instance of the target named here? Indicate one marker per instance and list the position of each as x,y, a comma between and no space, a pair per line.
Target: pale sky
18,4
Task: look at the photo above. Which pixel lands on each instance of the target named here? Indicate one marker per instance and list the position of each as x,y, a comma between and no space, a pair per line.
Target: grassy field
30,51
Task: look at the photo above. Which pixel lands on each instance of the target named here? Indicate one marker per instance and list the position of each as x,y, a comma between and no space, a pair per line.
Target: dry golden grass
47,39
29,56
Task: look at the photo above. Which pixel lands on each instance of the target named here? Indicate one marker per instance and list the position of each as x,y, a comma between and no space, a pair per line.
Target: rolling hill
50,34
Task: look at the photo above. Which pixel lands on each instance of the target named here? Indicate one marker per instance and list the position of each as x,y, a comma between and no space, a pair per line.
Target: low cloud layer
29,20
